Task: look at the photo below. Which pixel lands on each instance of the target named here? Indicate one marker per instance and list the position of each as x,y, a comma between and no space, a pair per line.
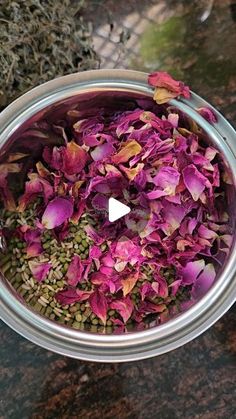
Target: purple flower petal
157,193
204,281
146,290
75,271
191,271
99,306
103,151
92,233
194,181
57,212
173,118
206,233
126,250
166,87
74,158
34,249
35,187
100,202
129,282
39,269
208,114
173,216
167,178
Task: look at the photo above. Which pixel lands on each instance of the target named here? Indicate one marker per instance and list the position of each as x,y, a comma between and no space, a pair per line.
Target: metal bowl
89,90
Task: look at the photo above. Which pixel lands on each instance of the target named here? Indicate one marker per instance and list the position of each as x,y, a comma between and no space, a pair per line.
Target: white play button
116,209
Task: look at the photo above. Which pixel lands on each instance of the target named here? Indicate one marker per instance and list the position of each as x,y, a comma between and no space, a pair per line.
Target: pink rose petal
103,151
194,181
71,295
57,212
191,271
204,281
99,306
39,269
208,114
74,158
75,271
34,249
124,307
167,178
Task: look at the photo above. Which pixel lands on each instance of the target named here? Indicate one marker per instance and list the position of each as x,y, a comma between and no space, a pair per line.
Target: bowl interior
47,127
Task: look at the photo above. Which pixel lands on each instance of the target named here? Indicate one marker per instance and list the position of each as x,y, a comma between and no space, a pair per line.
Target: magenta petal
98,304
146,290
35,187
95,252
33,240
156,194
167,178
191,271
194,181
75,271
92,233
31,236
175,286
162,288
57,212
208,114
102,151
71,295
39,269
124,307
34,249
74,158
126,250
206,233
100,202
204,281
164,80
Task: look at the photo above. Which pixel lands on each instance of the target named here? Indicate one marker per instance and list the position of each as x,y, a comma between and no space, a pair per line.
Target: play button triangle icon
116,209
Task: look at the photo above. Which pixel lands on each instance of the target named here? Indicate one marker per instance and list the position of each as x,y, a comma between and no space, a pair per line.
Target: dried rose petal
75,271
98,304
71,295
33,240
128,150
129,282
124,307
39,269
208,114
173,216
74,158
166,87
132,173
102,151
57,212
167,178
35,187
194,181
204,281
191,271
34,249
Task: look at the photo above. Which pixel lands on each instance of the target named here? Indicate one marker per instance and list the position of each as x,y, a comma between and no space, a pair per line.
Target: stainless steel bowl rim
135,345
